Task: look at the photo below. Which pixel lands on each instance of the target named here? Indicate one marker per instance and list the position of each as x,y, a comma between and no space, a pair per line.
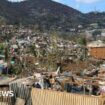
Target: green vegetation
82,41
6,53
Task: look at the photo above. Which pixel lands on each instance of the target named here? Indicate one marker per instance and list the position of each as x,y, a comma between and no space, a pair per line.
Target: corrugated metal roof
98,43
48,97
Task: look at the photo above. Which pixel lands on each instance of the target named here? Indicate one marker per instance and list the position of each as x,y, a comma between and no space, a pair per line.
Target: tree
2,46
82,41
33,50
6,54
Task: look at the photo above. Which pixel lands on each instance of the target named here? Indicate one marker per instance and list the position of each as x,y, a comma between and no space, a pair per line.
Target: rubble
48,62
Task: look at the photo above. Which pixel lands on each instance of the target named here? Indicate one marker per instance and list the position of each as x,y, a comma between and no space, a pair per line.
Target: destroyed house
96,49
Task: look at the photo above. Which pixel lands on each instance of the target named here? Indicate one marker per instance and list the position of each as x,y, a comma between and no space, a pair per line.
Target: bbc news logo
6,93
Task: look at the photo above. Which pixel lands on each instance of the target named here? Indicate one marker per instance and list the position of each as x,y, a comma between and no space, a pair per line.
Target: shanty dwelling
15,92
24,94
5,92
96,49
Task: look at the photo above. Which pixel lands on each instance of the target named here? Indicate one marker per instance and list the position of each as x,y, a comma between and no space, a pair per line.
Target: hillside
96,17
45,14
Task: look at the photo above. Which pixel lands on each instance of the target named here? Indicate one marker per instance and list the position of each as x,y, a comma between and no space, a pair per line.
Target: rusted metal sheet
97,52
48,97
